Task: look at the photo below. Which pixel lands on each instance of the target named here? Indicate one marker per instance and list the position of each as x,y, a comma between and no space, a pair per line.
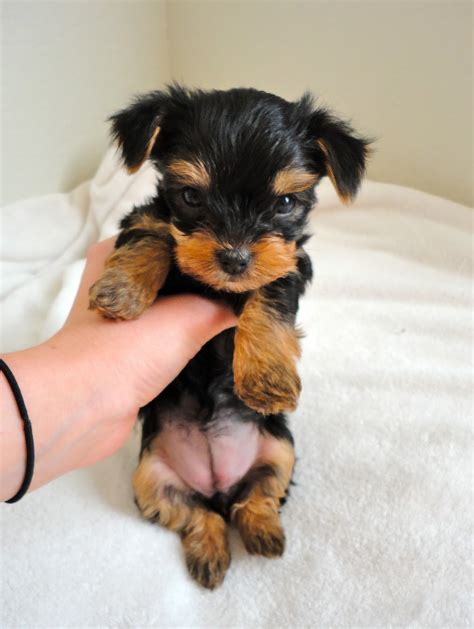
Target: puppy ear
341,152
137,127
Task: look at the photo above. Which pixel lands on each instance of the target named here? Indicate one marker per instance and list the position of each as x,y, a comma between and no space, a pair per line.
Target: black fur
244,137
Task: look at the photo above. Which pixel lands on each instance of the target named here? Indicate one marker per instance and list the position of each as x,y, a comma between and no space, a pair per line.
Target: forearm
61,398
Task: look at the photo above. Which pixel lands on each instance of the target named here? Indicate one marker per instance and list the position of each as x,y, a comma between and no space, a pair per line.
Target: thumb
194,319
172,332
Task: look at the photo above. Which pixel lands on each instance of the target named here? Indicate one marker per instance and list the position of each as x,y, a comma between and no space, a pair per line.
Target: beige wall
401,70
66,66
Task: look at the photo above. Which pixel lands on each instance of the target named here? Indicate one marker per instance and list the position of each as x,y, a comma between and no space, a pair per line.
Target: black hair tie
30,446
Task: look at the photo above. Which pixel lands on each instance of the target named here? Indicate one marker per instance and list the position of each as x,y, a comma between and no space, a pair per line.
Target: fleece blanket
379,521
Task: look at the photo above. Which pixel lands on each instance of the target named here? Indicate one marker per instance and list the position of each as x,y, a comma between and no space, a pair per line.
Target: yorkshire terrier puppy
238,175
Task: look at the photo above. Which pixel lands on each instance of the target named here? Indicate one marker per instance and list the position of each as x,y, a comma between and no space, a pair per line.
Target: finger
194,318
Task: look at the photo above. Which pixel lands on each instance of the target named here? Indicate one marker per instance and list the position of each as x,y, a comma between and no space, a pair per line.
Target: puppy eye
191,197
285,204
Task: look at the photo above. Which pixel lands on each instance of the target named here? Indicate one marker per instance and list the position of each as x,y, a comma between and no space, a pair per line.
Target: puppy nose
234,261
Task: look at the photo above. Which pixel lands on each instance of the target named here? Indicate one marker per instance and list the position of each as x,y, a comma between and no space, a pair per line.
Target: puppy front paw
116,296
272,391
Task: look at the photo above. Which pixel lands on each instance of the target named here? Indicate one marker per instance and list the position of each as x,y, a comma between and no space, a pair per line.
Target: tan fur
151,224
190,173
133,275
291,180
257,515
343,197
265,354
195,254
151,499
133,169
206,548
164,498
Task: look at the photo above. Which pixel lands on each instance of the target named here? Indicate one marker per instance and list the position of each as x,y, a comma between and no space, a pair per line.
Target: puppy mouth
236,279
233,278
242,282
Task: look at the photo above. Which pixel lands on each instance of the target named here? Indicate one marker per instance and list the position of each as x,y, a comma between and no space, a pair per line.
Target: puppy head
239,171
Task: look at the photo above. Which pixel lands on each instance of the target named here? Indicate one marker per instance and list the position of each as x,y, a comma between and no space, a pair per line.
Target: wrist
12,442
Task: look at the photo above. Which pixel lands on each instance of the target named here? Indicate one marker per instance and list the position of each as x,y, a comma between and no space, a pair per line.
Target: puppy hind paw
206,549
208,571
265,538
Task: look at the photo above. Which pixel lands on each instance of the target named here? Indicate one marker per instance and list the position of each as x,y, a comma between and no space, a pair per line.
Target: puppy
238,173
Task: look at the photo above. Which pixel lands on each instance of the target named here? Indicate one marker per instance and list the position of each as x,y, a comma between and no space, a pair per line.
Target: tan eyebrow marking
291,180
190,173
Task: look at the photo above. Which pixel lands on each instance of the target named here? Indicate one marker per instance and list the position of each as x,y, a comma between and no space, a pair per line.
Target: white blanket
378,524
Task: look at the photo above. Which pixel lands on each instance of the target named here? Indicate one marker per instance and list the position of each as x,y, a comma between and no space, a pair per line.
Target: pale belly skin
209,461
209,458
214,460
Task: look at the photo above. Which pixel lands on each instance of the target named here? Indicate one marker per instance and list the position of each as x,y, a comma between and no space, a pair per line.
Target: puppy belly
234,448
211,460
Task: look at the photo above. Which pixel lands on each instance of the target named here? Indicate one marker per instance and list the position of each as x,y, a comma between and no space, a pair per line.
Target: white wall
401,70
66,66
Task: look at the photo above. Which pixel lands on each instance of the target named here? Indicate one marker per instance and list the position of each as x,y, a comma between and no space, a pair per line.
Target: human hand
84,386
136,360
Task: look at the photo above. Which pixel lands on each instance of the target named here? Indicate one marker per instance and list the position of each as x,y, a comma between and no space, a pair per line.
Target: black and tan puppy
239,169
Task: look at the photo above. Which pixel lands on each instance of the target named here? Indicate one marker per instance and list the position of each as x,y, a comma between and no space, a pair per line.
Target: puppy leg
265,354
256,511
162,497
134,272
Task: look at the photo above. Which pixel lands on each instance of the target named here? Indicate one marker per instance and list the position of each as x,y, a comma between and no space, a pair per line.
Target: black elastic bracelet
30,446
